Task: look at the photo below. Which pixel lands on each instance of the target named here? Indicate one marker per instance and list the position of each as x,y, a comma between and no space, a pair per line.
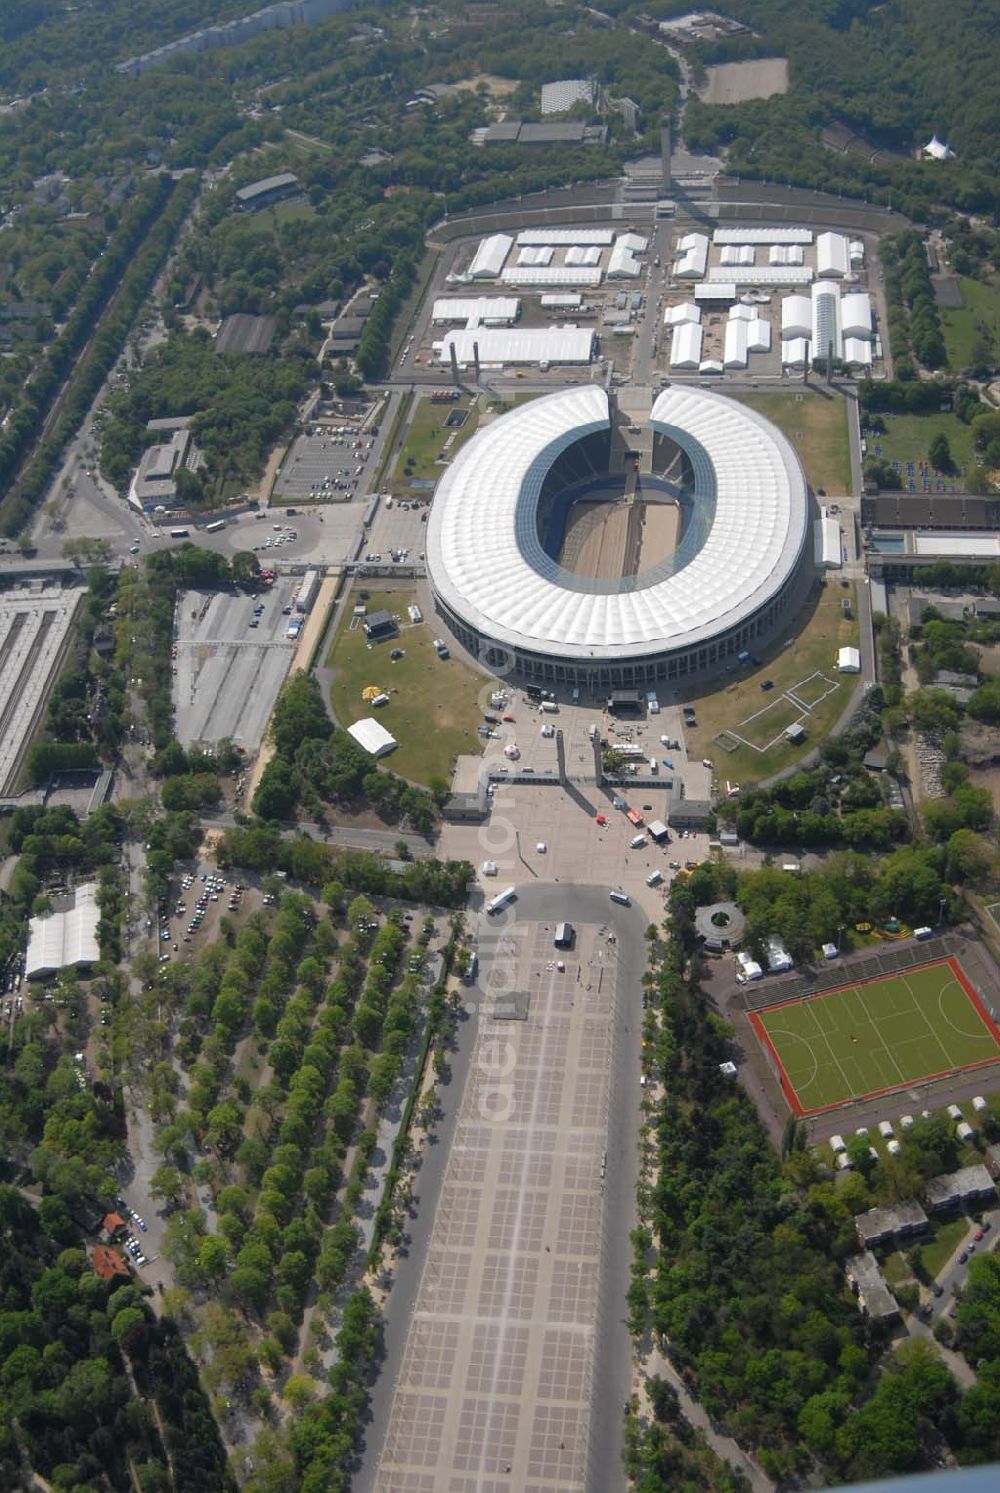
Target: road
543,902
350,836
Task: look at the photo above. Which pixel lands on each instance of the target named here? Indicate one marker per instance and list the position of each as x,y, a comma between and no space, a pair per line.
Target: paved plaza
494,1390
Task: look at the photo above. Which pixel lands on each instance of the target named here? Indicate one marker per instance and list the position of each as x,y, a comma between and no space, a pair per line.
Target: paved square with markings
494,1389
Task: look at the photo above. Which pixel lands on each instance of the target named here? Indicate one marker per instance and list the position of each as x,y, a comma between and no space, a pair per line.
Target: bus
565,934
501,899
220,523
180,533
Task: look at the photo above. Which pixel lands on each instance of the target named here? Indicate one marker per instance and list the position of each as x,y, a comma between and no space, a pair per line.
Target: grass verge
433,708
426,438
816,425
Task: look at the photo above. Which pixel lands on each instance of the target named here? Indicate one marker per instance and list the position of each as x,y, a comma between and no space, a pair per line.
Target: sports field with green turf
859,1041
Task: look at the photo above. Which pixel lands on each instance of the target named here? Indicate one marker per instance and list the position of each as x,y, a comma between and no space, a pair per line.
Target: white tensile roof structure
603,237
735,350
856,315
65,940
685,345
826,543
685,311
540,254
761,274
762,236
372,736
564,93
622,261
498,345
490,256
693,258
833,258
936,150
795,352
489,310
578,254
534,276
487,564
796,316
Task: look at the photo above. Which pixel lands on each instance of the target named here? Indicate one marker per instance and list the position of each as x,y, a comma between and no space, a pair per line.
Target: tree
940,454
245,568
299,1390
167,1183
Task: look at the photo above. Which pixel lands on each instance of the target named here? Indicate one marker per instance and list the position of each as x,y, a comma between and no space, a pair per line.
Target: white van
622,897
637,842
654,878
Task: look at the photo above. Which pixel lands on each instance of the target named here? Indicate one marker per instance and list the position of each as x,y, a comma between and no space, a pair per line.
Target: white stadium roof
601,236
554,274
762,236
498,345
489,258
482,308
487,564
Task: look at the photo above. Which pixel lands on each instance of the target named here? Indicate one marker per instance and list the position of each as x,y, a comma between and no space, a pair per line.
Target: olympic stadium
573,549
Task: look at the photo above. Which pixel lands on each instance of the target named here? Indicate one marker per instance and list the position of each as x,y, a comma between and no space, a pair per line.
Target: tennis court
859,1041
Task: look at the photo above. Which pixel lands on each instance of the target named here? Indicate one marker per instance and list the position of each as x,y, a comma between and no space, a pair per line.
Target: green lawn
816,425
977,319
434,706
909,437
814,637
868,1039
947,1237
425,441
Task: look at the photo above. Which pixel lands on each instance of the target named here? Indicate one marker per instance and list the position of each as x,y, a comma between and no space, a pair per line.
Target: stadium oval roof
750,524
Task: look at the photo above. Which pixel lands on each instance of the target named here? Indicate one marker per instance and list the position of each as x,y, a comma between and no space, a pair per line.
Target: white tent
849,661
489,310
602,236
758,335
372,737
856,315
499,345
490,256
735,351
826,543
65,940
857,352
936,150
786,254
542,254
694,257
685,345
795,352
537,276
762,236
575,254
833,260
796,316
673,316
623,262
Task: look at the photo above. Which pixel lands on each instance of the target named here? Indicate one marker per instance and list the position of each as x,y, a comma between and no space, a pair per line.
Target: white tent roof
520,345
725,290
694,259
795,352
937,150
742,312
487,564
796,316
858,352
685,311
61,940
758,335
826,543
372,736
685,345
735,352
738,254
603,236
786,254
856,314
540,254
763,236
489,257
622,260
577,254
484,308
762,274
553,274
833,259
849,660
571,301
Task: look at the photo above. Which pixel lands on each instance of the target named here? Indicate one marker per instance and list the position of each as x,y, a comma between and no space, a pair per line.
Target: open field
947,1237
908,438
425,441
964,325
860,1041
816,425
814,636
433,709
736,82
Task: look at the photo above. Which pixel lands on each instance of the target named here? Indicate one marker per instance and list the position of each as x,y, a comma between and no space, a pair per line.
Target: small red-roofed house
108,1264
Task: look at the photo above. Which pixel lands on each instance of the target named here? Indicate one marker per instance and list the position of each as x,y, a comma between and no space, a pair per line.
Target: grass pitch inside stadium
862,1040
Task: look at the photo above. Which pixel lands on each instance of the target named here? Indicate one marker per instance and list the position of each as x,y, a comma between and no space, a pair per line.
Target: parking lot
228,672
324,468
497,1375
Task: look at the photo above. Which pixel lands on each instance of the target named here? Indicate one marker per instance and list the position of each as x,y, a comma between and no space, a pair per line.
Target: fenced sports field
858,1041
